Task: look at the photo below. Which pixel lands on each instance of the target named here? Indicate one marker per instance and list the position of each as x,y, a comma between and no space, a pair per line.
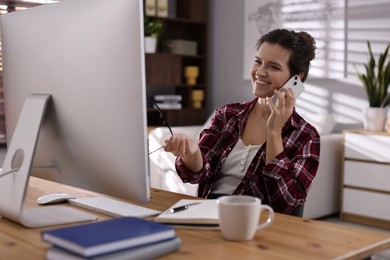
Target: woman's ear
300,75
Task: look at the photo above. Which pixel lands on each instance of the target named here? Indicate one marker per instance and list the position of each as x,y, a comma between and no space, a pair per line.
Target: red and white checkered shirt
283,183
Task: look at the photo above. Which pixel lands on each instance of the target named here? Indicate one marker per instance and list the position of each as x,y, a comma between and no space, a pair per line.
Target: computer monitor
88,56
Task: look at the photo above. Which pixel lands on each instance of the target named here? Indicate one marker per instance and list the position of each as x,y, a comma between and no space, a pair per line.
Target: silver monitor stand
16,171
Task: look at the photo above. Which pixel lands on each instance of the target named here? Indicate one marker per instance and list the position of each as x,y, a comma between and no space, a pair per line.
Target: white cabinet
366,178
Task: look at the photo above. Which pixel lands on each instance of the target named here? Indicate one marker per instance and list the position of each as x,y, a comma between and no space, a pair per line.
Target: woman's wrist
193,162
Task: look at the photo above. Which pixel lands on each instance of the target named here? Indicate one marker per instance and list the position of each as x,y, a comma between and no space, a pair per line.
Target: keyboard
113,208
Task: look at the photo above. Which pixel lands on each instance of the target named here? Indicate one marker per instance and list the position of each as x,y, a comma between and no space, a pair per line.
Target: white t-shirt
235,167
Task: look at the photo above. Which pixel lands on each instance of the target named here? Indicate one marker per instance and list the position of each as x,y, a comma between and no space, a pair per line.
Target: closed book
167,98
172,8
203,214
149,251
181,47
169,105
107,236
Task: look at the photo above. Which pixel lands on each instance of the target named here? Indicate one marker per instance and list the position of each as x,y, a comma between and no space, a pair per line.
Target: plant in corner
153,27
376,80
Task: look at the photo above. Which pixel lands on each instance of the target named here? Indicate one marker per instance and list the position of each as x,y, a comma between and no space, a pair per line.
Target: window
367,20
323,19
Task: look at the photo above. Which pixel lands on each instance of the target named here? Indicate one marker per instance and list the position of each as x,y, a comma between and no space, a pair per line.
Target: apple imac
86,58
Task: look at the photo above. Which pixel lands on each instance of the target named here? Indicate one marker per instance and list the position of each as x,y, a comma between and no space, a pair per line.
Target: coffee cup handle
270,219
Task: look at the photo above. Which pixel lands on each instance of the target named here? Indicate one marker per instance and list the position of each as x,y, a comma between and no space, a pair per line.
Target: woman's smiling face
270,69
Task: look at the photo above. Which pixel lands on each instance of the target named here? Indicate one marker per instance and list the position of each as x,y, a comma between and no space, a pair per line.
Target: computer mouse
54,198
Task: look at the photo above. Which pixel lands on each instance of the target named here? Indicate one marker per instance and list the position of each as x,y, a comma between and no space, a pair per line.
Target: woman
262,148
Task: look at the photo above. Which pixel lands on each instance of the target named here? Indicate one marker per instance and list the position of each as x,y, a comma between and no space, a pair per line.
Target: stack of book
120,238
168,101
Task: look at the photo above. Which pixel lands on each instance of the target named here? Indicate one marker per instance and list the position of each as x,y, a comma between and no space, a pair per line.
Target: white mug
239,216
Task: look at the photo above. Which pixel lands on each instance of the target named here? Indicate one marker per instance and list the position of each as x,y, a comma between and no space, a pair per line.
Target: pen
181,208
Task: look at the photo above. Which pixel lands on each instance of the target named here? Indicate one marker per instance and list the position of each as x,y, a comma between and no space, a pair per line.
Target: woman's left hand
281,111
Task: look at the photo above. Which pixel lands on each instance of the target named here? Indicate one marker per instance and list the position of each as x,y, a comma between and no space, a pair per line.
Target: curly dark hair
301,44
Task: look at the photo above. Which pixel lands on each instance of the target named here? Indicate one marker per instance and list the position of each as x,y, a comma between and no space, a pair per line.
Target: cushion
324,123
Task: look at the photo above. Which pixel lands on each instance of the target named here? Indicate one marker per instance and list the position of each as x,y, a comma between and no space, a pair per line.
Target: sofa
323,198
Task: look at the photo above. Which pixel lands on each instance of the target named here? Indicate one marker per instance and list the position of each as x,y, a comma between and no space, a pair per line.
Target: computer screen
88,55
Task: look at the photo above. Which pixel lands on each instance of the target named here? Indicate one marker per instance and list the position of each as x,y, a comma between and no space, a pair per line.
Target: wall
226,20
225,51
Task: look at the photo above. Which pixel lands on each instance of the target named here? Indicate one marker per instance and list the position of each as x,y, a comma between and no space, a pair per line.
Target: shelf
165,71
181,117
188,11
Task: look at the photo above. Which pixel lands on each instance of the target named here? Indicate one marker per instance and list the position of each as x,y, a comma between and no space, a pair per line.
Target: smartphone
296,85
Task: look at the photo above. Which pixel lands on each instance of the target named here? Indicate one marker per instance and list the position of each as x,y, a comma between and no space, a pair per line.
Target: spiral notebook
204,214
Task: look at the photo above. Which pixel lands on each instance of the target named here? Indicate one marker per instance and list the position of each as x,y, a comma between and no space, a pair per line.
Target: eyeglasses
163,119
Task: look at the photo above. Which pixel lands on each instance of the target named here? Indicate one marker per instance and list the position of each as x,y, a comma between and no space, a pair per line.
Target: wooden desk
288,237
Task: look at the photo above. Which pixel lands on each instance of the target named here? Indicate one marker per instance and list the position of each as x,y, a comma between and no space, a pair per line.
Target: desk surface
287,238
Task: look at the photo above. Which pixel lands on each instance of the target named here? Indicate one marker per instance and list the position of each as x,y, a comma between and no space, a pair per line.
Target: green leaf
376,78
153,27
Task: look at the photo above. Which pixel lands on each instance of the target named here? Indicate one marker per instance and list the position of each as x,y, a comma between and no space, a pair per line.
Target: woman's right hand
187,149
181,145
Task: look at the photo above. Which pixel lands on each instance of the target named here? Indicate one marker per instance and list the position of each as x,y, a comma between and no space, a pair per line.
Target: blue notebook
107,236
149,251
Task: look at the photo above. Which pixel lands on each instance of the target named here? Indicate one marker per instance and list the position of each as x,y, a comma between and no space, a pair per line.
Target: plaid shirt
283,183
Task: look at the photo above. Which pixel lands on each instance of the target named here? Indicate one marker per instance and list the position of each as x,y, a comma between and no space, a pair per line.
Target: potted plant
153,27
376,80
